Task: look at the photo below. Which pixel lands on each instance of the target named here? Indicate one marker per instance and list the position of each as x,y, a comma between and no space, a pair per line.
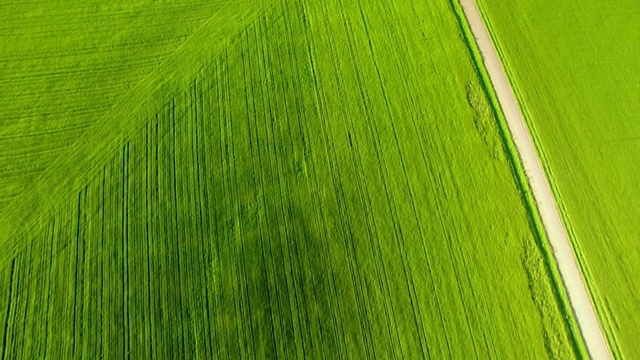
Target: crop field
64,65
575,69
262,179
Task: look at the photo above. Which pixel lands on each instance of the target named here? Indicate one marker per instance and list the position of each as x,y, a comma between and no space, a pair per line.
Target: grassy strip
594,295
521,180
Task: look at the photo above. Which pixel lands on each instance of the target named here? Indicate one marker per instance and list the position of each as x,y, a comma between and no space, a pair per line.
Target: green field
262,179
575,69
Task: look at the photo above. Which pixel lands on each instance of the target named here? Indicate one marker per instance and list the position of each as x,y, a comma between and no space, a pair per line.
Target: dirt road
557,234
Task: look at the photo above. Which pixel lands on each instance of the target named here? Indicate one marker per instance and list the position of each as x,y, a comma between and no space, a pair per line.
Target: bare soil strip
557,234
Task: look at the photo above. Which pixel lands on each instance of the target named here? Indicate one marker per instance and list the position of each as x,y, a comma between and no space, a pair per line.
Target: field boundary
593,292
523,185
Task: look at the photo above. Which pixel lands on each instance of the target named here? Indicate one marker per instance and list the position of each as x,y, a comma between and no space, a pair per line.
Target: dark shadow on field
193,240
162,255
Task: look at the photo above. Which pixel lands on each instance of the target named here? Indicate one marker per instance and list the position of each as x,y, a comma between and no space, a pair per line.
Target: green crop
574,65
261,179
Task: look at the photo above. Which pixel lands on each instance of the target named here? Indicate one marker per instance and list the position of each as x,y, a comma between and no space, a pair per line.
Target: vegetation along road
554,227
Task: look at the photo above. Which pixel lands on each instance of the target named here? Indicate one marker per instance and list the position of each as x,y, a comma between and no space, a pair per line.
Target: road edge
538,184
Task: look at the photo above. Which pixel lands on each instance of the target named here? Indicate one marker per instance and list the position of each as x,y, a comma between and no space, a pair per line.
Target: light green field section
321,179
574,65
64,64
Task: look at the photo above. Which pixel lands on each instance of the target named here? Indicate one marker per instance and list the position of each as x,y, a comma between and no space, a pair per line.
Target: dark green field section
574,65
319,179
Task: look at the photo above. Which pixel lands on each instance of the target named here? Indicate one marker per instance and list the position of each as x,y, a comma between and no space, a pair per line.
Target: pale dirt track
557,234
